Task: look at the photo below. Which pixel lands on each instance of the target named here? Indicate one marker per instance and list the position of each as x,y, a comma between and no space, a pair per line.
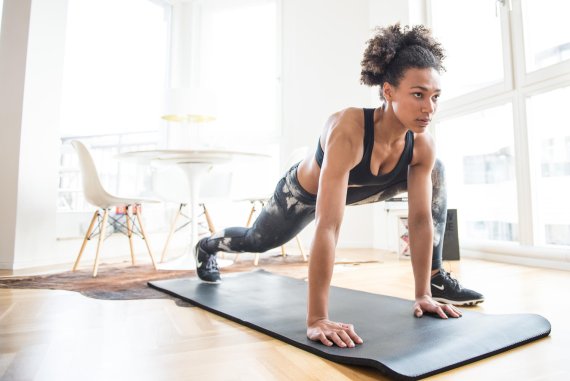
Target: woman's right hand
330,332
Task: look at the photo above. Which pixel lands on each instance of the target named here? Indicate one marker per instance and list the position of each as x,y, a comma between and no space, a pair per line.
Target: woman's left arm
420,227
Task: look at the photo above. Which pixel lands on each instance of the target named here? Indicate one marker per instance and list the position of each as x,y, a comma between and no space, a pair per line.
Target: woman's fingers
442,310
331,333
346,339
352,333
439,311
323,338
334,336
452,311
418,311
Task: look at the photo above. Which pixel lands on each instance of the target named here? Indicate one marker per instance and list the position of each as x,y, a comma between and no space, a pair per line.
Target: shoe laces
211,263
447,276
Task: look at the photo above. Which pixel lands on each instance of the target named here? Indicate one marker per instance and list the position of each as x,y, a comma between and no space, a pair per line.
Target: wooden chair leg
100,242
211,227
171,232
89,230
251,213
130,233
139,219
209,221
301,248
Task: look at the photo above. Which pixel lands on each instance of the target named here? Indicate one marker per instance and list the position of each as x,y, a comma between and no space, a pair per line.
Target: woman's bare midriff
308,174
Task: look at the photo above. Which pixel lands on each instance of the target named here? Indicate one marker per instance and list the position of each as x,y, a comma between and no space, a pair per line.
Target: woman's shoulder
348,121
342,137
424,148
348,115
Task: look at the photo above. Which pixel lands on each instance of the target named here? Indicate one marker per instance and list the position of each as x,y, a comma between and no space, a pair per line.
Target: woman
364,156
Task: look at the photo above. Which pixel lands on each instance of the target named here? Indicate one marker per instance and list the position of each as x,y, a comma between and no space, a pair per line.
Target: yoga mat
396,343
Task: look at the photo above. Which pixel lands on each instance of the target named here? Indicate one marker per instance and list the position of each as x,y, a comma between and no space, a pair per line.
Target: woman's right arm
331,198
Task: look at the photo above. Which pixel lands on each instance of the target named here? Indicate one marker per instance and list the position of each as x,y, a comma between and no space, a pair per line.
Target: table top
189,155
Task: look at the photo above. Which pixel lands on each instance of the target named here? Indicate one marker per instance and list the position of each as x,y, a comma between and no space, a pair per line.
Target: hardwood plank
60,335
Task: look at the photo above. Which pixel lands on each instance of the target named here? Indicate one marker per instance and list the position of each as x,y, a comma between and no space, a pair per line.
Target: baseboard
525,259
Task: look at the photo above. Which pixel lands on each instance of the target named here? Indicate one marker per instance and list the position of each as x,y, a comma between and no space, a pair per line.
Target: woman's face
414,101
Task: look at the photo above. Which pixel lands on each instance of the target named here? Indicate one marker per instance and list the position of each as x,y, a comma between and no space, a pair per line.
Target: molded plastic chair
295,156
96,195
170,185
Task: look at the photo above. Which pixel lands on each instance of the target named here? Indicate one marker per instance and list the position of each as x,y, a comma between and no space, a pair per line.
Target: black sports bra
361,174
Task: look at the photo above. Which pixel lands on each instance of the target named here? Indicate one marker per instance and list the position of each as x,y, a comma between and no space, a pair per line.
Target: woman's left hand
427,304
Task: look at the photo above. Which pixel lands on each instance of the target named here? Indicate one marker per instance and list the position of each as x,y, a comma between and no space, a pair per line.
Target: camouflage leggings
291,208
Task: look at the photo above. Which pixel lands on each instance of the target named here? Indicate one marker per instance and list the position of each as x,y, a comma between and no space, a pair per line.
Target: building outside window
501,129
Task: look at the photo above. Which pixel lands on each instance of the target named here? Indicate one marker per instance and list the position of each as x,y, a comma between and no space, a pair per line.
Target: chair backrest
92,188
296,155
169,183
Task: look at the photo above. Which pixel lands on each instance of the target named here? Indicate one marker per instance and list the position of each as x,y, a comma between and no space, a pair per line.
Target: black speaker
451,237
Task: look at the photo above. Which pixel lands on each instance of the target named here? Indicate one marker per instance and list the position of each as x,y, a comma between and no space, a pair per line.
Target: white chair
170,185
96,195
295,156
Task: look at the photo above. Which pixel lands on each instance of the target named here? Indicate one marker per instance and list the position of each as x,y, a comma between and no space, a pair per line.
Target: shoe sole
196,260
465,303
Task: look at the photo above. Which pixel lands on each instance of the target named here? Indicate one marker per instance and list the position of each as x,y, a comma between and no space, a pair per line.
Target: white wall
31,65
323,42
13,49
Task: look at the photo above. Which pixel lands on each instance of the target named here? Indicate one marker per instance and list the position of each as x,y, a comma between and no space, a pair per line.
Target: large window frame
116,176
517,87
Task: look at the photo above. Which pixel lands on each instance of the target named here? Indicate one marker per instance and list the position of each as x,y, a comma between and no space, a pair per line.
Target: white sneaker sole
457,303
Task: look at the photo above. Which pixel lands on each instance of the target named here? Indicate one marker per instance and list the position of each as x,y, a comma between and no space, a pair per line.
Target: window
238,62
115,67
474,58
550,146
113,80
546,42
478,153
505,142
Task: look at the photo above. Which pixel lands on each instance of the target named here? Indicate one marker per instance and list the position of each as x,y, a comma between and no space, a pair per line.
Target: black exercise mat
395,342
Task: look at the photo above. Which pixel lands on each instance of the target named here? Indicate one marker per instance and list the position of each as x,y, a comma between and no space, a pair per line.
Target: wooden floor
60,335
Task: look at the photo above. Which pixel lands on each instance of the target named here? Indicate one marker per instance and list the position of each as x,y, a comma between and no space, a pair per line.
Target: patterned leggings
291,208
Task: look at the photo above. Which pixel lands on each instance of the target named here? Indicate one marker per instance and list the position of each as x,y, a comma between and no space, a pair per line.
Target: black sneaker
447,290
206,265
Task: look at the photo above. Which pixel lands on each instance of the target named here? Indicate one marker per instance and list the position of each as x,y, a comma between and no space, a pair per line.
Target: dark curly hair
394,49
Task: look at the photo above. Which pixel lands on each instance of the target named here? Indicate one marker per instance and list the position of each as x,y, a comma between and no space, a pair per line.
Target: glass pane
547,40
112,93
114,67
454,23
478,153
245,102
549,132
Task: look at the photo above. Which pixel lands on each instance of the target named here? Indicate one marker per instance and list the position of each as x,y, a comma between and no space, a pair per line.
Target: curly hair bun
394,49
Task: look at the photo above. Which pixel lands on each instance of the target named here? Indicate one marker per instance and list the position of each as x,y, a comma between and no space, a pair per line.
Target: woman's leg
370,194
443,287
286,213
438,212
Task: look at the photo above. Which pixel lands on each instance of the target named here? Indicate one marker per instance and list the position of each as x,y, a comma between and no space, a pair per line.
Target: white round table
194,163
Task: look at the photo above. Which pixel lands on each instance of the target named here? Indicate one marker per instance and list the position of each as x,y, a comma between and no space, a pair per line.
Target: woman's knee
260,242
439,193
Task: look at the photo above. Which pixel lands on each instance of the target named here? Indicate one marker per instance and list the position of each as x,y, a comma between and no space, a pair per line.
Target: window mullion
527,218
514,18
523,172
508,51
